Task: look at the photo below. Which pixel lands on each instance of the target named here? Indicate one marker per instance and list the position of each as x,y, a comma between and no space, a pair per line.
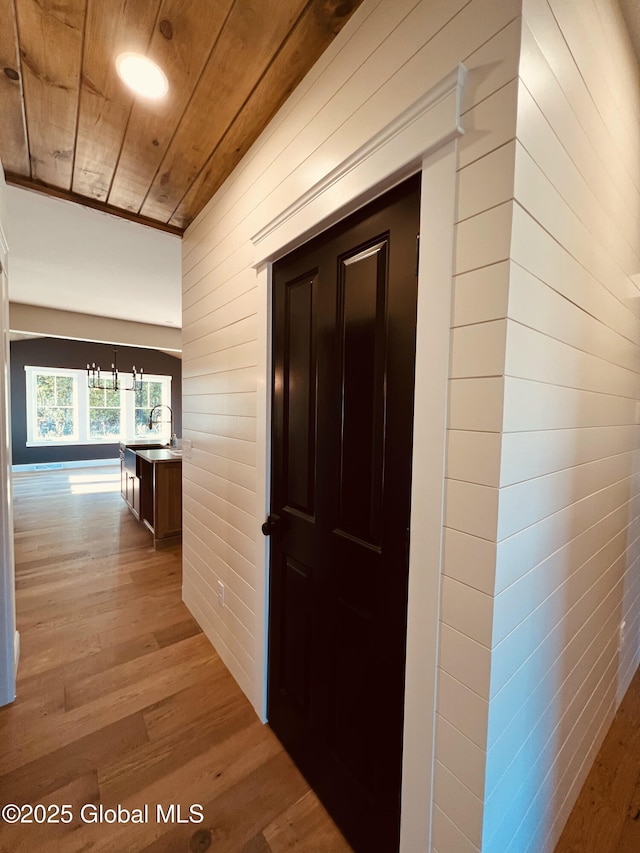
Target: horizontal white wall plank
596,211
232,358
464,758
519,553
476,404
478,350
240,403
474,457
531,405
487,182
467,610
239,381
530,501
447,836
526,455
470,560
466,660
522,597
484,239
237,333
538,709
458,802
481,295
243,306
489,125
536,250
463,708
231,491
471,508
545,204
533,303
242,475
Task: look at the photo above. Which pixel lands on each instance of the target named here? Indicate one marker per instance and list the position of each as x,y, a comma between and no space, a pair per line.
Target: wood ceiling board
105,102
251,37
84,127
51,35
196,25
312,34
13,142
93,203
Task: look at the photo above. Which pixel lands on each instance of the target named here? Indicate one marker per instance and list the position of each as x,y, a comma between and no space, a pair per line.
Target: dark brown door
344,316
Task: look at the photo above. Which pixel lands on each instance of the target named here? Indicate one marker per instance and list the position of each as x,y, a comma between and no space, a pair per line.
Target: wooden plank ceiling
70,127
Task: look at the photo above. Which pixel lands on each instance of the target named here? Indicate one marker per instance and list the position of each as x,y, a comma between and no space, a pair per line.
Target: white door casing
9,639
421,138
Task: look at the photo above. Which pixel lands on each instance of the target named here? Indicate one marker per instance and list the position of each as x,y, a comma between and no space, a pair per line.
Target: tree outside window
149,396
62,409
104,414
55,407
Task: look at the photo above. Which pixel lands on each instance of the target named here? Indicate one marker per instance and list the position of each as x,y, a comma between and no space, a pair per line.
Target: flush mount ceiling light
142,75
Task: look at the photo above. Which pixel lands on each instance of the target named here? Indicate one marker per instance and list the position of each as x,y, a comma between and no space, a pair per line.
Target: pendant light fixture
110,381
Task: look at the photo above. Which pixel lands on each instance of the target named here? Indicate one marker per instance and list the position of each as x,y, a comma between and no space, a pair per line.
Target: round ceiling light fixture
142,75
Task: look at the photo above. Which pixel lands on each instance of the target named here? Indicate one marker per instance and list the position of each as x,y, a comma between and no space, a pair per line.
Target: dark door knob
271,524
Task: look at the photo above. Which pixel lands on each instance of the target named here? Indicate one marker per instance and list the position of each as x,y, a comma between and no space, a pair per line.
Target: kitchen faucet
174,438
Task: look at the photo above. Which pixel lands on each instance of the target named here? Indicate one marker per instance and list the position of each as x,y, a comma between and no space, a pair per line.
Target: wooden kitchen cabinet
160,473
129,480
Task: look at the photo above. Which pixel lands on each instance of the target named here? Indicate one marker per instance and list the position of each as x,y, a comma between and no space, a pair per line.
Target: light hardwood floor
121,698
606,816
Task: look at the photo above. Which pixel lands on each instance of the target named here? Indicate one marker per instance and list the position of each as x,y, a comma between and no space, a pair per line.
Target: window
149,396
56,407
61,409
104,414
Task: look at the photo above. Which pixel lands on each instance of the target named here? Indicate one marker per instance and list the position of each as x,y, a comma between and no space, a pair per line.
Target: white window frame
81,404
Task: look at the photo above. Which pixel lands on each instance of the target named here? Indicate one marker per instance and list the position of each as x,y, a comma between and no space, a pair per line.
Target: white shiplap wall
389,53
540,562
567,563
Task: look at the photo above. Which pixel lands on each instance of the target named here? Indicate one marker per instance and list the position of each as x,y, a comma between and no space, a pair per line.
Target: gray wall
53,352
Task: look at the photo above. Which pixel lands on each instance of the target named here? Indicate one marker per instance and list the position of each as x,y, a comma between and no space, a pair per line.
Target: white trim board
394,153
9,638
58,466
420,138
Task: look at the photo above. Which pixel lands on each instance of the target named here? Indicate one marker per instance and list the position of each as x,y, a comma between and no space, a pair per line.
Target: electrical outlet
187,447
220,593
621,635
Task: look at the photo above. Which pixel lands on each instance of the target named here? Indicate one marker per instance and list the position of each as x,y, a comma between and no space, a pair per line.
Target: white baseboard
58,466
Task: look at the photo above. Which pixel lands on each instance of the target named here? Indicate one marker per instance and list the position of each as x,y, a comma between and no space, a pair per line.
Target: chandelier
110,381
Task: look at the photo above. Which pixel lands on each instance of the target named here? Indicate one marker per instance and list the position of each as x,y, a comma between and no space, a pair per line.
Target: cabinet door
123,478
135,496
168,499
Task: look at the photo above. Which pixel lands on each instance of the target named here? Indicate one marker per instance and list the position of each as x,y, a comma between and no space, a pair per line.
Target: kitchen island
151,484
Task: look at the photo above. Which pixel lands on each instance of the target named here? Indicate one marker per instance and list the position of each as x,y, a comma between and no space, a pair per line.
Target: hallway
122,699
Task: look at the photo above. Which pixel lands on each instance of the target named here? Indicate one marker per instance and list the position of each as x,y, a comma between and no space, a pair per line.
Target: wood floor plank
26,838
31,782
599,821
305,828
164,757
177,659
66,674
235,817
121,698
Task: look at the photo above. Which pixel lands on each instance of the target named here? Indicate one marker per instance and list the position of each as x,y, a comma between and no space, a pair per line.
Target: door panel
344,311
362,307
300,396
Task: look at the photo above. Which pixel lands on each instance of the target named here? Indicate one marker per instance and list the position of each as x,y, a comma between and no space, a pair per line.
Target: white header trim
396,151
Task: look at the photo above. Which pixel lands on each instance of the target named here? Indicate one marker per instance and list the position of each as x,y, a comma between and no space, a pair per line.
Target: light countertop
160,455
